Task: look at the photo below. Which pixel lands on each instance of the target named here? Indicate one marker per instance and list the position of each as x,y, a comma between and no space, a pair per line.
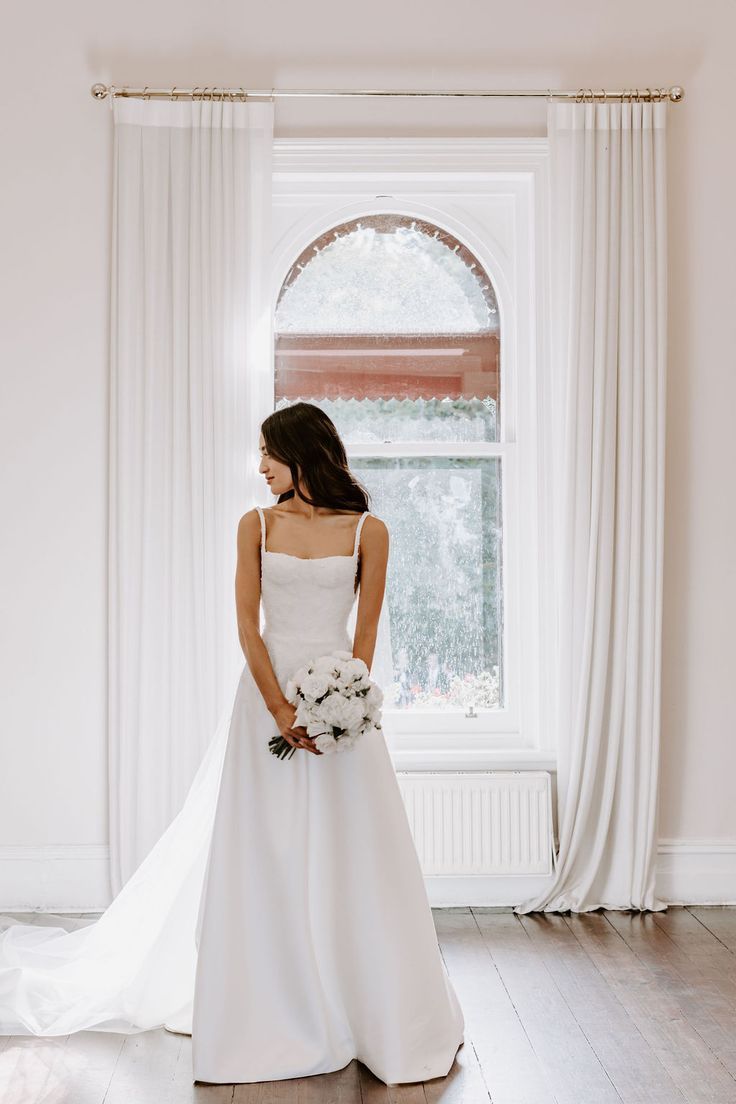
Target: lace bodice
306,603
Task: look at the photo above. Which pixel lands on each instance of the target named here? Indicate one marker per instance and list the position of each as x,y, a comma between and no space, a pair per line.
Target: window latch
470,712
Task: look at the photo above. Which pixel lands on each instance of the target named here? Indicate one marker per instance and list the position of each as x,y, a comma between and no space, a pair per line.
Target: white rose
374,697
347,713
357,668
324,663
326,742
304,714
314,686
332,709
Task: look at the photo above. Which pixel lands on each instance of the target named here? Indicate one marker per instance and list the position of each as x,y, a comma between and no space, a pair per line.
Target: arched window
391,325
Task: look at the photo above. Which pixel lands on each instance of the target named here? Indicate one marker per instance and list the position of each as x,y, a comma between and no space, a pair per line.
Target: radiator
484,822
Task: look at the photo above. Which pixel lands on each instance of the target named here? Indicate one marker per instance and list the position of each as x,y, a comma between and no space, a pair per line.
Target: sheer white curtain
190,350
604,441
190,326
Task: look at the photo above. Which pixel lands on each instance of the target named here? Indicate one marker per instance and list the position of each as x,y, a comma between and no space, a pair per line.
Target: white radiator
480,822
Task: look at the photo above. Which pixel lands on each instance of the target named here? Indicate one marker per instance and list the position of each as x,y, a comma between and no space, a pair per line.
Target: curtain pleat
190,325
605,445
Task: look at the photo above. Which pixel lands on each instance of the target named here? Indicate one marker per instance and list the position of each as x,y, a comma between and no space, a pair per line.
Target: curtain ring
146,97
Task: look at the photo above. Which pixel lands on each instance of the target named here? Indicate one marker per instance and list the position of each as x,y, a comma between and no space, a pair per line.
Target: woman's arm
374,544
247,603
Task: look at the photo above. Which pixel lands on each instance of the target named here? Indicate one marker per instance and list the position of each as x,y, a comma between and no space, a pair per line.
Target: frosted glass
401,280
444,586
372,421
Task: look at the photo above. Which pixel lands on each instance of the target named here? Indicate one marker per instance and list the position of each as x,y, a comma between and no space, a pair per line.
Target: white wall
54,295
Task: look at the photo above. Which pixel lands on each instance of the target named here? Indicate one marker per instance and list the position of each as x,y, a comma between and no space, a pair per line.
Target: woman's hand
296,736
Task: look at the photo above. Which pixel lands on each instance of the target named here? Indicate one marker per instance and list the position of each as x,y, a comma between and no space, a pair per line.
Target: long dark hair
304,437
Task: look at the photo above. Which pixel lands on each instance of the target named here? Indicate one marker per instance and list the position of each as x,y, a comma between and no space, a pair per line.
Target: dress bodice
306,603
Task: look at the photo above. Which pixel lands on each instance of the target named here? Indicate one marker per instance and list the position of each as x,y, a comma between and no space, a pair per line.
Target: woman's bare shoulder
249,526
375,531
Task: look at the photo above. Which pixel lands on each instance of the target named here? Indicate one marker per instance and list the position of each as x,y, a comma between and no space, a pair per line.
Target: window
398,268
391,325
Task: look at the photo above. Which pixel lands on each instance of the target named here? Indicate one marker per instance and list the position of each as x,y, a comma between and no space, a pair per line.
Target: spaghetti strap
263,528
357,532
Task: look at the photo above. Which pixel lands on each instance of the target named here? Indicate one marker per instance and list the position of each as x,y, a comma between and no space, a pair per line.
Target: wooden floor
585,1008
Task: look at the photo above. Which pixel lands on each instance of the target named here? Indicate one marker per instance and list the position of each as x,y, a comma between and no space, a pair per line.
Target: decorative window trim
321,182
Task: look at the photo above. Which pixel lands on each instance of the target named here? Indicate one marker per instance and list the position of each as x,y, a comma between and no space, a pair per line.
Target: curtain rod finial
99,91
676,93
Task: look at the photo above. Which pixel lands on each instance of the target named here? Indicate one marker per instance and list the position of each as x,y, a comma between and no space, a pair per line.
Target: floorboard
577,1008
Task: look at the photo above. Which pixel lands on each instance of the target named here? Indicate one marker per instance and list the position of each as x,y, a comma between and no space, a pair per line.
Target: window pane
444,586
391,326
386,274
399,319
371,421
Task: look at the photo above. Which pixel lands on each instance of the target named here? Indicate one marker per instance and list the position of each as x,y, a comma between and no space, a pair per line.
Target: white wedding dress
282,918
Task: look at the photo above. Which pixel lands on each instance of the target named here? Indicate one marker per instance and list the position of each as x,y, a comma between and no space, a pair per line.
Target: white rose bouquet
336,701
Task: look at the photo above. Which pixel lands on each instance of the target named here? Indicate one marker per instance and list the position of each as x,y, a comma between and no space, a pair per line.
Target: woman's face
277,475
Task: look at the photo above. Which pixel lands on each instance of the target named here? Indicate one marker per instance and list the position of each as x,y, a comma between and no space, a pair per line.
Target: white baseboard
689,872
70,878
696,871
76,878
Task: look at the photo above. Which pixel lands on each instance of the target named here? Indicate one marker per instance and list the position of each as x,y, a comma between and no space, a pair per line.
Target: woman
282,918
316,941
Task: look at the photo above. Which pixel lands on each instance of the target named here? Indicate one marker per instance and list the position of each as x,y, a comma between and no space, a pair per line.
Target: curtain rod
100,91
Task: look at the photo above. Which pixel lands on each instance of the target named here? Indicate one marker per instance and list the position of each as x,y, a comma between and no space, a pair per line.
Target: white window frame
491,194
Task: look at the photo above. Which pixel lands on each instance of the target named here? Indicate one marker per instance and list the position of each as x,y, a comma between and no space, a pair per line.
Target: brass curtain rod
674,93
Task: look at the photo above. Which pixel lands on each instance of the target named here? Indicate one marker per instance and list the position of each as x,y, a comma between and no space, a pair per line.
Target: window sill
471,759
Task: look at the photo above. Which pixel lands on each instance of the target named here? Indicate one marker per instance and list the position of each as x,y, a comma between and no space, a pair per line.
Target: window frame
491,194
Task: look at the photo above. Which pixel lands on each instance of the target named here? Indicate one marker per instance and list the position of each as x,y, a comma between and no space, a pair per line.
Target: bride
282,918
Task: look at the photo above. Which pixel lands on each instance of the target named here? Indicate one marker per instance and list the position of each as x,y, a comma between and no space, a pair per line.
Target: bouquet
336,701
